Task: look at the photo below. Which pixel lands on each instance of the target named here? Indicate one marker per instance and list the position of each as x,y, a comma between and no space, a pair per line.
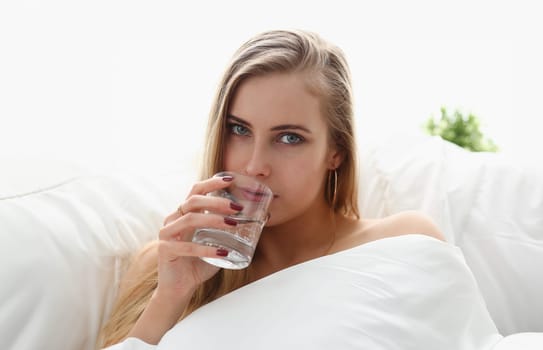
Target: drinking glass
240,241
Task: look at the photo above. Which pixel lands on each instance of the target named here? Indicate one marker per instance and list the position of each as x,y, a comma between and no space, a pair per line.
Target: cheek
301,178
306,177
234,156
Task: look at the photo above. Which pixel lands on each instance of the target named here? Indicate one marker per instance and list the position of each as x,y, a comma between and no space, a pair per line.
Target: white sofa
67,233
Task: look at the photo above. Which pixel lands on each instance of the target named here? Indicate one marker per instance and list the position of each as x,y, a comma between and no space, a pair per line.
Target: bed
67,234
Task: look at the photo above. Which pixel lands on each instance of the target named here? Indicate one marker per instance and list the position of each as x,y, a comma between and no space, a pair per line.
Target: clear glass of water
240,241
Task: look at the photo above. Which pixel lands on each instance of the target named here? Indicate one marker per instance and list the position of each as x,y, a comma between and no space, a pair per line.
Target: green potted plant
461,130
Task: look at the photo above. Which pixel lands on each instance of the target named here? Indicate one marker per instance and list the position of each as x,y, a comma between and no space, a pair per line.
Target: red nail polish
236,206
222,252
227,178
230,221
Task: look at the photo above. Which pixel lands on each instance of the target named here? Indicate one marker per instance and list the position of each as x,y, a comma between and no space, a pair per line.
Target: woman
283,114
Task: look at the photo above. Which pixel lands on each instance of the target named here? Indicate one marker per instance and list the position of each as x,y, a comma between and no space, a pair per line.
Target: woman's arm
159,316
160,313
160,283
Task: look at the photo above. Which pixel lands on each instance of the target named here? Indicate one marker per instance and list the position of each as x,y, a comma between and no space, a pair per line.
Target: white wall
128,84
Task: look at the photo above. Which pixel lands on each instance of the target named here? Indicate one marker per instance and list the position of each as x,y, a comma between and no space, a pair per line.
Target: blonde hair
328,76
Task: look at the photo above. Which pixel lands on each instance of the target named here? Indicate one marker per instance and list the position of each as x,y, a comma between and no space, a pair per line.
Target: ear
335,158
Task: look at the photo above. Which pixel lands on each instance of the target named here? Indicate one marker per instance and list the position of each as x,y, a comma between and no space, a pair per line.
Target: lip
254,196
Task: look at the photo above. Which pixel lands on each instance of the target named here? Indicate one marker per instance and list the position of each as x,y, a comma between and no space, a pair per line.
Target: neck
306,237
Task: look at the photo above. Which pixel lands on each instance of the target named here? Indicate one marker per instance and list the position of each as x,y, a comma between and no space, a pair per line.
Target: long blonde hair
328,76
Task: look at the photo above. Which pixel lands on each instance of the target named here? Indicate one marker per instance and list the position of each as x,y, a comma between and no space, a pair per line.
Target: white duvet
406,292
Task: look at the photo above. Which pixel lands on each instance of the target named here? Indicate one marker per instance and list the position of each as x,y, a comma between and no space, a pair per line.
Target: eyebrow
275,128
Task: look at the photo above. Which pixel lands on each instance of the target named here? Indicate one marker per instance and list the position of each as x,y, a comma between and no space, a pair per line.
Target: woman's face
277,134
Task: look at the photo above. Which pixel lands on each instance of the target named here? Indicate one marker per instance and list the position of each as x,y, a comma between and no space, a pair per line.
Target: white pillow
524,341
489,205
64,245
385,294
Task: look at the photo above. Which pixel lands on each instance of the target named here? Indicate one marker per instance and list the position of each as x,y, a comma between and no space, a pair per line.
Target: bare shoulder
409,222
365,230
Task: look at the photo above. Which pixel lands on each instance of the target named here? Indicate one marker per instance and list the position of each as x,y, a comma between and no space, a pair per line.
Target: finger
200,188
218,205
198,203
175,215
172,250
184,227
210,185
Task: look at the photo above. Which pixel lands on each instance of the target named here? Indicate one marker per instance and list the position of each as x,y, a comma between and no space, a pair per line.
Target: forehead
278,98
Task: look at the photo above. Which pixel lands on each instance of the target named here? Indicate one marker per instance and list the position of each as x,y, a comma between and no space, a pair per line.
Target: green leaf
461,130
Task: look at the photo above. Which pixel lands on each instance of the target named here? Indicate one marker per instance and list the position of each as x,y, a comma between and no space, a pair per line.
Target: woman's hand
180,269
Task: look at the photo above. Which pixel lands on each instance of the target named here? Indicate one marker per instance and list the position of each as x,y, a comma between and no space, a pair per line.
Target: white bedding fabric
489,205
521,341
406,292
64,246
67,234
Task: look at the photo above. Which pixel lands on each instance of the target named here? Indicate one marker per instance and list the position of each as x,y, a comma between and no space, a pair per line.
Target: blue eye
238,129
290,139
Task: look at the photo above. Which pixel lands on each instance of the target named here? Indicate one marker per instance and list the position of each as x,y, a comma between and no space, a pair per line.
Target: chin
270,223
275,219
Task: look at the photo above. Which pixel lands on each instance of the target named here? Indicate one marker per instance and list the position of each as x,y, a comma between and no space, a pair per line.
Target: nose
258,164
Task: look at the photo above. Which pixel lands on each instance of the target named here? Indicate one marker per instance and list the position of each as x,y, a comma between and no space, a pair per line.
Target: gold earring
332,188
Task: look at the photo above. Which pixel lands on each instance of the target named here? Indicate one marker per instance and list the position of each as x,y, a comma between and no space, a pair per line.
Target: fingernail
222,252
227,178
236,206
230,221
